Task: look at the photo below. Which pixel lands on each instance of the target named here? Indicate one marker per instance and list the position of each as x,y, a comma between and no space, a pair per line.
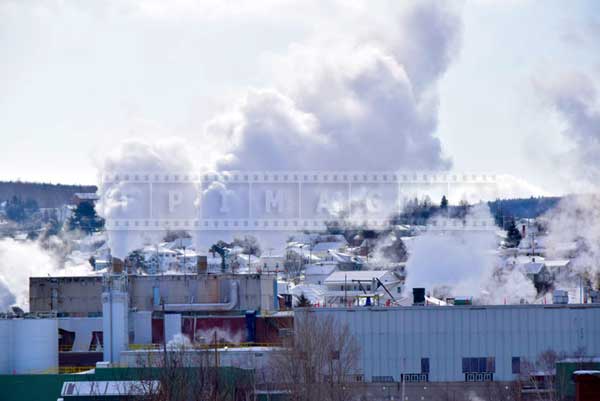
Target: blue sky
77,79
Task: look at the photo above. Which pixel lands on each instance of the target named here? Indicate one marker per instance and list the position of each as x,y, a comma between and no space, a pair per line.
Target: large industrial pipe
195,307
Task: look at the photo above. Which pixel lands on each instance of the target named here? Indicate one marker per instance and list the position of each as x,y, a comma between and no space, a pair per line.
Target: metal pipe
201,307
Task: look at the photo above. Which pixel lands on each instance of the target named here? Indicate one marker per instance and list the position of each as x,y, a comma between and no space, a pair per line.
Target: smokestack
202,264
418,296
117,265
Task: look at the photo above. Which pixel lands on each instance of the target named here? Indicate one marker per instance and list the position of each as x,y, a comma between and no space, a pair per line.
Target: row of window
475,369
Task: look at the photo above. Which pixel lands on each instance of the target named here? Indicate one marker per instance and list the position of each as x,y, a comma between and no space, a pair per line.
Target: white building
355,285
318,273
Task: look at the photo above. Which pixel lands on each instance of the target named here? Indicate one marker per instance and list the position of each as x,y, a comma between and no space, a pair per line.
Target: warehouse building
464,343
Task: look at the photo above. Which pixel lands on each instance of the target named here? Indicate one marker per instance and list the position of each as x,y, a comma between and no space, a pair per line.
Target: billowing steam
574,224
363,99
574,230
124,200
339,94
464,263
20,260
574,99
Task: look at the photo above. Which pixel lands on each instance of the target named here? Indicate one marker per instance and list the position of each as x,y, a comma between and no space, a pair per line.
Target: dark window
479,365
474,365
516,365
424,365
482,365
465,365
491,364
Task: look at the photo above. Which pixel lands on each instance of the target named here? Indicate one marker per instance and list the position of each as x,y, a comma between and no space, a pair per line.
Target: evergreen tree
444,203
513,235
15,210
85,219
303,302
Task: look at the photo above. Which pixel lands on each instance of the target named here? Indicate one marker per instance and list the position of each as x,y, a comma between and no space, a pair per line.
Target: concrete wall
393,340
82,295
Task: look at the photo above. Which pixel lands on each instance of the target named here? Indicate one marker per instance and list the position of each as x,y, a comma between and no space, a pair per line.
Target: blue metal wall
393,340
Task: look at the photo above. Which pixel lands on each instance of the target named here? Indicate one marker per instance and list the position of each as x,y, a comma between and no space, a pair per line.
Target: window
424,365
399,290
516,365
479,365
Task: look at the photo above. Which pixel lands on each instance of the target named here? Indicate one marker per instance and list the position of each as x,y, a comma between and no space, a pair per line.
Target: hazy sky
78,77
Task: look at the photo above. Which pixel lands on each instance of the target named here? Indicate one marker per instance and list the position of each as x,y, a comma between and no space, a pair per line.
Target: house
345,261
321,249
271,262
318,273
537,272
358,285
313,292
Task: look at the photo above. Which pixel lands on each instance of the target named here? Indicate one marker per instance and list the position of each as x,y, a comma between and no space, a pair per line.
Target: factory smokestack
117,265
418,296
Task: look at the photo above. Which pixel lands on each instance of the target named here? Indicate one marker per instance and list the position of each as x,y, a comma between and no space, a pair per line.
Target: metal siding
446,335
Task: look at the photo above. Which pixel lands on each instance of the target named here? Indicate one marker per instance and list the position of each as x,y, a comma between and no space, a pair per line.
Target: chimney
202,264
418,296
117,265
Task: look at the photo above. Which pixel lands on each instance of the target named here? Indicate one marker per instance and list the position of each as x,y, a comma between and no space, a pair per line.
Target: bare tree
539,376
320,362
187,372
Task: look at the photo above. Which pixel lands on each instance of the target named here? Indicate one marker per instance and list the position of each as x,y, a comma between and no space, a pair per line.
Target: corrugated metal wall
392,337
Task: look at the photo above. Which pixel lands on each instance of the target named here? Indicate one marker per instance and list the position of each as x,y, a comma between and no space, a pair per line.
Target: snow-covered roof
362,275
315,293
343,257
320,269
533,267
325,246
87,195
557,263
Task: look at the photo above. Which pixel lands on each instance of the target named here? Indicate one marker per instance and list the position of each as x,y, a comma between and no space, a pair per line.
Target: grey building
464,343
82,296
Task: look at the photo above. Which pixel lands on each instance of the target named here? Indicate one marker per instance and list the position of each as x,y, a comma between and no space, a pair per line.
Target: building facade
464,343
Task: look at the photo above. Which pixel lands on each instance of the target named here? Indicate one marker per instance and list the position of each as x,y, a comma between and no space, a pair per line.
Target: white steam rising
126,201
20,260
361,98
336,95
464,263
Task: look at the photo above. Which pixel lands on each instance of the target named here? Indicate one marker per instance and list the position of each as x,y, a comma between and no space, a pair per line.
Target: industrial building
98,318
82,296
463,343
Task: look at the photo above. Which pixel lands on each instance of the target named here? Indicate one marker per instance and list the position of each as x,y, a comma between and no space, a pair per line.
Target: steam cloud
334,99
574,98
20,260
576,219
332,95
463,263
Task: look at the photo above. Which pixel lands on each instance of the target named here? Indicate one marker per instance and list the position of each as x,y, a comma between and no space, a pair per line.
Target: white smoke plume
574,230
360,98
123,200
464,263
336,95
20,260
574,224
573,97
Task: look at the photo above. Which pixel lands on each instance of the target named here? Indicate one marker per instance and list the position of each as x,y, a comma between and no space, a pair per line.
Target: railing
63,370
135,347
